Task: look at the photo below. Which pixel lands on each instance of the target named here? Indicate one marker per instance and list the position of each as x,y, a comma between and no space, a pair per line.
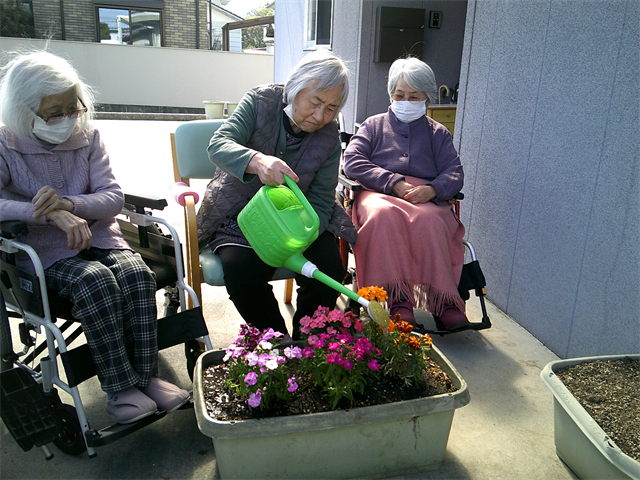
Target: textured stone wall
547,130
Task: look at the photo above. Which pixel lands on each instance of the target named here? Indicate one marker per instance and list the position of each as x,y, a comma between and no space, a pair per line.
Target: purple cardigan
78,170
385,150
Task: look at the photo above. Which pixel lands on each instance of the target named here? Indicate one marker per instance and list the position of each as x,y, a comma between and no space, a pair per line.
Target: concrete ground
505,432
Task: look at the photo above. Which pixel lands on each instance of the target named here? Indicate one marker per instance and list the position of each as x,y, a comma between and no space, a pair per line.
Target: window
129,27
319,19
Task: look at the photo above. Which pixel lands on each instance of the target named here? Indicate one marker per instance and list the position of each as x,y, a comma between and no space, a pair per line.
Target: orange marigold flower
414,342
391,326
404,327
373,293
397,317
427,340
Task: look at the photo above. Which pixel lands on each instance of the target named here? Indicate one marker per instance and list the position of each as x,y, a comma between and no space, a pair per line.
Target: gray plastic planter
379,441
580,442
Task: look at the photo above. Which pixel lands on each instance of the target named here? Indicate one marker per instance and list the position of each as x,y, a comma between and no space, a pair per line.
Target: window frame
130,9
312,44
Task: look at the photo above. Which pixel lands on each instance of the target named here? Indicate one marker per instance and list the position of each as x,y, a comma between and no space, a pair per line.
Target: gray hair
416,73
30,77
322,70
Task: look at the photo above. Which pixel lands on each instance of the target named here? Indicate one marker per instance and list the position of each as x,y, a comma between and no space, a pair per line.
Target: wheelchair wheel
6,345
71,440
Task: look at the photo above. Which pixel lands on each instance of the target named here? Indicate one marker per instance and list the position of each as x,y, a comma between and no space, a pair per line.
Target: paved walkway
505,432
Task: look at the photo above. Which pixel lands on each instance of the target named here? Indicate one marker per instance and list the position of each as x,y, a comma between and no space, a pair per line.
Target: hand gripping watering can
280,224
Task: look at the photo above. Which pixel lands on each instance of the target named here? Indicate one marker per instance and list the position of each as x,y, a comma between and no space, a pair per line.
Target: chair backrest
191,142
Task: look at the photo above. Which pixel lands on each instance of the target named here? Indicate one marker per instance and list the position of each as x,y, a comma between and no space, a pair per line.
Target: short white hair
322,70
30,77
416,73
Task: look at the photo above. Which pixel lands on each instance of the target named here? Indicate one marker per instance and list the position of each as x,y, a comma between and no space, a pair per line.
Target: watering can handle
303,201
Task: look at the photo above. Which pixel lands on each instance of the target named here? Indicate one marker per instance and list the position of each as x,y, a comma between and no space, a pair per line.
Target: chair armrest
347,182
179,190
13,228
139,202
458,196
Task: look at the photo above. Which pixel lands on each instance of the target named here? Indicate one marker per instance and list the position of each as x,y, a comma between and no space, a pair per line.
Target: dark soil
227,406
610,392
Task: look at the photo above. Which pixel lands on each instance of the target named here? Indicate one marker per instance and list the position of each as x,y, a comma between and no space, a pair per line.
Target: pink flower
358,325
333,358
307,352
312,340
347,364
293,352
373,364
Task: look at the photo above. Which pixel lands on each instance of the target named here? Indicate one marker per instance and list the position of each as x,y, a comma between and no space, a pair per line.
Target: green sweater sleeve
227,148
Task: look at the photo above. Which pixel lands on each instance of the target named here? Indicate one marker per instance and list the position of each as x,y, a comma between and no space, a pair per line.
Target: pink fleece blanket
412,251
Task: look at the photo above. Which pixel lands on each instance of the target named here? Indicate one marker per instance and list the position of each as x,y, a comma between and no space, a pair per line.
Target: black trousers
247,278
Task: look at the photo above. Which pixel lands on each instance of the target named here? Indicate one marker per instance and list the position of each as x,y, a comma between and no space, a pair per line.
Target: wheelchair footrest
26,411
107,435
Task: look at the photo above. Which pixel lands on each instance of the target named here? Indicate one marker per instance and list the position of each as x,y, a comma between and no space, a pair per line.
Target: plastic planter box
580,442
378,441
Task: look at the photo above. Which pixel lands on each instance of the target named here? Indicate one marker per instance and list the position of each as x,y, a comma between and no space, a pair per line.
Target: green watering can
280,224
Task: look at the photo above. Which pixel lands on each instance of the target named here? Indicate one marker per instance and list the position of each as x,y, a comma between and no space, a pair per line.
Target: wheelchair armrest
458,196
347,182
140,203
12,228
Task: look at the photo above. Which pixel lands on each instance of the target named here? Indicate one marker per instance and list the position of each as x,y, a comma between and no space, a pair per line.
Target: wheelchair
30,405
471,278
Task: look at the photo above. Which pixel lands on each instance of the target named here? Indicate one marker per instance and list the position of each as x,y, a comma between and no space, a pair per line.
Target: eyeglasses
399,97
56,119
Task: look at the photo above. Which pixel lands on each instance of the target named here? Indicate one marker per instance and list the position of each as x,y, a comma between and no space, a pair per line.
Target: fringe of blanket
423,296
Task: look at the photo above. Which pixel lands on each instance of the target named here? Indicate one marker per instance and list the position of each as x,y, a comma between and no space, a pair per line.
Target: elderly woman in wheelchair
279,130
409,238
55,176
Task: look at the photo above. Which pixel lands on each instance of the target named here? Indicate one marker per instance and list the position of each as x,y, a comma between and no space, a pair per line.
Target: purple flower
307,352
251,358
255,399
293,386
251,378
293,352
347,364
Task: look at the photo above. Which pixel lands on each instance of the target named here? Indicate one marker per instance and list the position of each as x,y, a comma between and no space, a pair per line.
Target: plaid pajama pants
113,292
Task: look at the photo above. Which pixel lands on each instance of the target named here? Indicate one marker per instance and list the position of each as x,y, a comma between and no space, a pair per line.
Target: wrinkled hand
47,200
420,194
270,170
78,234
414,194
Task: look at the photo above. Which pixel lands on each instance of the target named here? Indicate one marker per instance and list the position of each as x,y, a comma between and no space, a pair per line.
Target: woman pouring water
279,130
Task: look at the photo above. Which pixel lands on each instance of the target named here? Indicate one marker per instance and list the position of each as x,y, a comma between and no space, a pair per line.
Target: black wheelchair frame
30,405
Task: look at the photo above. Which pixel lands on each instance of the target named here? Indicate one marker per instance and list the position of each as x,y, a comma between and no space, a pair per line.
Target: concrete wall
354,42
133,75
548,132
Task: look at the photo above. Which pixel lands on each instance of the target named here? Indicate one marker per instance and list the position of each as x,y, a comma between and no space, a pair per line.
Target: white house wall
173,77
547,129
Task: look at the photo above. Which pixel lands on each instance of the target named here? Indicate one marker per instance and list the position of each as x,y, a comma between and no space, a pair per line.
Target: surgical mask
55,134
408,112
289,111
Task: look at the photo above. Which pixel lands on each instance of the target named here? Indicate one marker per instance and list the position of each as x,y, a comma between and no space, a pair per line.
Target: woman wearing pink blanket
409,238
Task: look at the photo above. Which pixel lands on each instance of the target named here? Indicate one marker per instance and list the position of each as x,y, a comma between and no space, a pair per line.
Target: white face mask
55,134
289,111
408,112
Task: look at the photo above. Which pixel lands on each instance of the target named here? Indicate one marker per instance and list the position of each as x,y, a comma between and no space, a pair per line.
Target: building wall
547,129
172,77
184,27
